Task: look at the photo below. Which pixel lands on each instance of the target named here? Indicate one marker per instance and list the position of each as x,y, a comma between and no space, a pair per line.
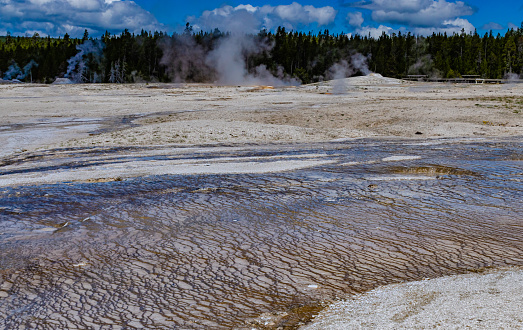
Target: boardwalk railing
467,79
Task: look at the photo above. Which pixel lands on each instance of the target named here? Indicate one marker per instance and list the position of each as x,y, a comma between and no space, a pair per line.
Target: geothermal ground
201,206
51,116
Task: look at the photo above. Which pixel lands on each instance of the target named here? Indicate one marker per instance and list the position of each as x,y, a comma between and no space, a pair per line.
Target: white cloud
492,26
368,31
57,17
433,13
248,18
396,5
355,19
512,26
420,16
449,27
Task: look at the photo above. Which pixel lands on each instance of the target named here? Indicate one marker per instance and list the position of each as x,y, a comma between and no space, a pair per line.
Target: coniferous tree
155,56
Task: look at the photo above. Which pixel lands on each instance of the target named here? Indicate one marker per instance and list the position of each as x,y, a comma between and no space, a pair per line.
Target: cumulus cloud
248,18
420,16
355,19
399,5
373,32
492,26
57,17
449,27
420,12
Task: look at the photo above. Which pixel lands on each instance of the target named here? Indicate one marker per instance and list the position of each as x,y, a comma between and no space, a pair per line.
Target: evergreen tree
155,56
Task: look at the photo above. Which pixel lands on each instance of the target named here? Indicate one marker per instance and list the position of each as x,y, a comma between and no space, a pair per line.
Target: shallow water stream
254,250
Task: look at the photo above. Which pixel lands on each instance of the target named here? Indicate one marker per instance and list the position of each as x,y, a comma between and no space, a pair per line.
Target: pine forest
302,57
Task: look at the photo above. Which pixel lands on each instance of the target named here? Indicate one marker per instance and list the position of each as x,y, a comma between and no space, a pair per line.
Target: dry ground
35,116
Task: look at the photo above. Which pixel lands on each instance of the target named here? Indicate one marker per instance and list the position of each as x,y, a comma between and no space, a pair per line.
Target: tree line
159,57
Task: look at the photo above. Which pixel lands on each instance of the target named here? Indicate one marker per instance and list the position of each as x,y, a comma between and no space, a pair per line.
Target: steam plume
77,70
344,69
27,70
226,63
337,73
424,66
511,77
229,61
185,59
14,71
359,63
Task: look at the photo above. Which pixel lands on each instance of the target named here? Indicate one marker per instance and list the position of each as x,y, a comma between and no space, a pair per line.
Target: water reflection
200,251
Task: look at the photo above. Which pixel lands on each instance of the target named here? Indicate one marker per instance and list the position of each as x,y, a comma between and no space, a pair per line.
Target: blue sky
364,17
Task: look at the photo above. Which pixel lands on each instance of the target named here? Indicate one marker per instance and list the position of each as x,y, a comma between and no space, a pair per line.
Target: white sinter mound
474,301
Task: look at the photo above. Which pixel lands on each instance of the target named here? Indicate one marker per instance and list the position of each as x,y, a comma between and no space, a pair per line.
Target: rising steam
357,64
185,59
229,61
14,71
424,66
78,68
226,63
511,77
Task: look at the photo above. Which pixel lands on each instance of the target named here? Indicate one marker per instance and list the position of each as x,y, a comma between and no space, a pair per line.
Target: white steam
337,73
14,71
360,63
229,61
344,69
511,77
424,66
77,70
184,59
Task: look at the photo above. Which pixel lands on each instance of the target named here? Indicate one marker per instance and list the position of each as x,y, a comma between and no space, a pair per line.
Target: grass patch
514,103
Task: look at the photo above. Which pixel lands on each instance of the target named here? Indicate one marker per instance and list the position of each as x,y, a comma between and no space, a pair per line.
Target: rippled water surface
218,251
